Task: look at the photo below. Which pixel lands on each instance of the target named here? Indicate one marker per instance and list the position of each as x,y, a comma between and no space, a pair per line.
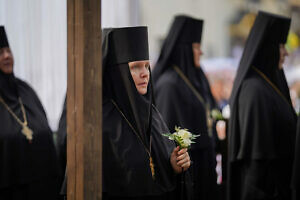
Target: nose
6,54
144,72
200,52
286,53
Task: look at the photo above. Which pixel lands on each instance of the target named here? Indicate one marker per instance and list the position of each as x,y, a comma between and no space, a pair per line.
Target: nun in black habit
28,163
296,170
138,162
183,97
263,122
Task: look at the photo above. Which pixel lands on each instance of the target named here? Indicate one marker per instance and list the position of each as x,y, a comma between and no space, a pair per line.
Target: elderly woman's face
6,60
283,53
140,73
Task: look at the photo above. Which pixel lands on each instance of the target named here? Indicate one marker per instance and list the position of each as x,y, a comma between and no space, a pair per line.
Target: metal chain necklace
209,120
270,83
148,150
26,131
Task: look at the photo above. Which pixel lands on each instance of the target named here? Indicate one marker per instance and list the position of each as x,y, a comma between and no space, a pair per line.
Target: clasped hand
180,159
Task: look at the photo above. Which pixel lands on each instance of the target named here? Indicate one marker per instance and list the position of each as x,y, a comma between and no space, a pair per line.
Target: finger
182,156
182,162
186,165
182,151
175,150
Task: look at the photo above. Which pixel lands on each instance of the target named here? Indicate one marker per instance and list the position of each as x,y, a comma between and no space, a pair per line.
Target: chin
7,70
142,91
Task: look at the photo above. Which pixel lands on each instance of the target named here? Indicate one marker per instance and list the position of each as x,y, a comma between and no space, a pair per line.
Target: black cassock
296,174
27,170
126,171
263,122
179,105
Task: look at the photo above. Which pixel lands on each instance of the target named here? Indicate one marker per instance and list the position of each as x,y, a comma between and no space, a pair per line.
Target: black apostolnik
132,126
263,122
179,104
28,168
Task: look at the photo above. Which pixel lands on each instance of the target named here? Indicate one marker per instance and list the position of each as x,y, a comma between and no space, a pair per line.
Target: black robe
126,171
296,174
180,107
266,135
61,139
27,170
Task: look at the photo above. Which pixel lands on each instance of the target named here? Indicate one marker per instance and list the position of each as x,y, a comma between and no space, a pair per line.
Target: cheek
134,77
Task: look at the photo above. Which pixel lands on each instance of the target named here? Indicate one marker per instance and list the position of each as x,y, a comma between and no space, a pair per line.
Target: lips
143,84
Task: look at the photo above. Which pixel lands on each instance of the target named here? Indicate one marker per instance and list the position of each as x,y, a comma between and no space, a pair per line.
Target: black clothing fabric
296,174
3,38
28,170
23,163
180,107
61,139
262,123
126,170
61,146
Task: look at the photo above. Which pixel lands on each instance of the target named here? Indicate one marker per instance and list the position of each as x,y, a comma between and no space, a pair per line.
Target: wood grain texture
84,103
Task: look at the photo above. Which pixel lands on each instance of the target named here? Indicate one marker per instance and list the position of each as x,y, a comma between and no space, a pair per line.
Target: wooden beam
84,103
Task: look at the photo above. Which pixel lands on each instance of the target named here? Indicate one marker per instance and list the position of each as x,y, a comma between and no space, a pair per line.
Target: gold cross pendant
27,132
152,167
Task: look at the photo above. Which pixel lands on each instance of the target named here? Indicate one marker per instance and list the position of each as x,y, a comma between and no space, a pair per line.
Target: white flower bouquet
182,137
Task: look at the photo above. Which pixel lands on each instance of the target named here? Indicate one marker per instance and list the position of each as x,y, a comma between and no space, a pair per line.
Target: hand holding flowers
180,159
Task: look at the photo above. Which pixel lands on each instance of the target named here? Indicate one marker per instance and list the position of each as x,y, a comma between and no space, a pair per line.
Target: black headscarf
25,165
177,49
7,81
126,163
262,51
121,46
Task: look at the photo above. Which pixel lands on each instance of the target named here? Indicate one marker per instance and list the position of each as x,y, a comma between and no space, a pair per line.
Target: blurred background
37,33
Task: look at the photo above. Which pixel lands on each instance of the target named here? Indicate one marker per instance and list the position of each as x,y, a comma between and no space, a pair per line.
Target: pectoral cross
27,132
152,167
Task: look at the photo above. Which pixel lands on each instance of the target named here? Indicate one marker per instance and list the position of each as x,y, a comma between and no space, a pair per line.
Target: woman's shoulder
28,94
25,87
255,91
254,85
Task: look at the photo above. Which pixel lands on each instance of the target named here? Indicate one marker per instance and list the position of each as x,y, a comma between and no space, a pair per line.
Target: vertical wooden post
84,103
